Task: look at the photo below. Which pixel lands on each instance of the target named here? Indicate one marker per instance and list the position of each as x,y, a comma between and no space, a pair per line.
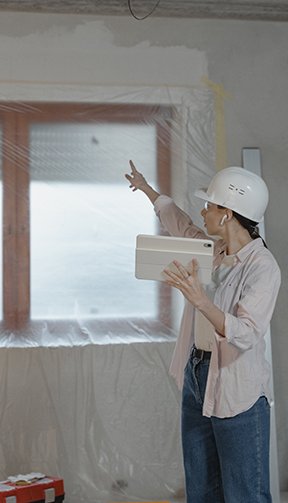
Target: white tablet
156,253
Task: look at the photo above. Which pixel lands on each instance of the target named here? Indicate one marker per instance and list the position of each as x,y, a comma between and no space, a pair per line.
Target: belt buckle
198,353
202,353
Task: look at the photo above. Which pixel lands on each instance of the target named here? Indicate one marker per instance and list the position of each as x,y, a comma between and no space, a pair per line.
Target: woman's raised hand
136,179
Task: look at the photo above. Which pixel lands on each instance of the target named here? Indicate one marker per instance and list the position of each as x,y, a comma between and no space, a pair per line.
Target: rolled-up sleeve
175,221
252,314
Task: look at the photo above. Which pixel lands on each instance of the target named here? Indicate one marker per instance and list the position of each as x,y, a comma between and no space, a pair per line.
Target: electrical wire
144,17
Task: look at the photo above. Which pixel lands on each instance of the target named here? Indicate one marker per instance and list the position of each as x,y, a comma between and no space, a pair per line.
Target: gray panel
251,160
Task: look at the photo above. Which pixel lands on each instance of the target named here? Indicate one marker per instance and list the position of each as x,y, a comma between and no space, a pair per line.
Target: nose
203,212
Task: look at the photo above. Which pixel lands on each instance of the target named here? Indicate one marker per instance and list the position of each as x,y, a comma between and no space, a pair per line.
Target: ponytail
250,226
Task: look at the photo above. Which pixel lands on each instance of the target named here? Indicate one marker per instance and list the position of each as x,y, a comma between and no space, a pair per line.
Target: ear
227,216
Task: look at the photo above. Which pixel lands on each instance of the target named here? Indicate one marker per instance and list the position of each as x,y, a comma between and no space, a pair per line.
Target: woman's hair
249,225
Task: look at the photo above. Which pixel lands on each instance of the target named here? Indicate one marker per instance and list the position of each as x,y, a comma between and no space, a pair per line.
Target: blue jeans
225,460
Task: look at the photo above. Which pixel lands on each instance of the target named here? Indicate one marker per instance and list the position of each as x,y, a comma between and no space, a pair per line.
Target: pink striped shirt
239,373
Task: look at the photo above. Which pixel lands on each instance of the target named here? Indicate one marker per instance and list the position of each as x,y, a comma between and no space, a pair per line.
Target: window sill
70,333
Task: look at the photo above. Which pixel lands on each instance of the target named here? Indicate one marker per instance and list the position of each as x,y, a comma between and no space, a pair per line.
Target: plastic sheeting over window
83,220
85,347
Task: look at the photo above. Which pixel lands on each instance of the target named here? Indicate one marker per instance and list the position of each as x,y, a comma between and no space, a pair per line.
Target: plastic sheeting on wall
85,390
104,418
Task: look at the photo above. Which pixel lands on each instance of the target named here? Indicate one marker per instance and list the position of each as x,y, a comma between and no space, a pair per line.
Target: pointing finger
132,166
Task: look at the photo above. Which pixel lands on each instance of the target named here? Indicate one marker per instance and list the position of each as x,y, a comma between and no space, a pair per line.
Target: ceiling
276,10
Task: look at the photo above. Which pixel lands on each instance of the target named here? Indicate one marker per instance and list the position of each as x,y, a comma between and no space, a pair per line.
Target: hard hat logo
233,188
239,190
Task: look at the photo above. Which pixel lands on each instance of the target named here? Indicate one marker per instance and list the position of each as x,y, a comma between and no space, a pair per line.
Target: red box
47,490
7,493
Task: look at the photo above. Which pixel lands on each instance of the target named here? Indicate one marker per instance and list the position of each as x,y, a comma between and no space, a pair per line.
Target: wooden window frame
16,119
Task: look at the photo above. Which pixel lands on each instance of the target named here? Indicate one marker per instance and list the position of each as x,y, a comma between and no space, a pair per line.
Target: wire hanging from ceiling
144,17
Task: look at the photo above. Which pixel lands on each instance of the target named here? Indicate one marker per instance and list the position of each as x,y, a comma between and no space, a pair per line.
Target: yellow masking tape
219,95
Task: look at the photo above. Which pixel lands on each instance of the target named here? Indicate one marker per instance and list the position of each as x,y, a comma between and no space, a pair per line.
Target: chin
213,234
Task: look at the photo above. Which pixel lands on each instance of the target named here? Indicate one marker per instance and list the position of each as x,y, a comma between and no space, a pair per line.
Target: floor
283,498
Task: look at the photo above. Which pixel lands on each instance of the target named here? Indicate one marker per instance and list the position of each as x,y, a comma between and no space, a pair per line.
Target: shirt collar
240,256
255,244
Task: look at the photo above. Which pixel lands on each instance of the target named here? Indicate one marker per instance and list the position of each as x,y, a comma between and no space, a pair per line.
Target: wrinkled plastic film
86,393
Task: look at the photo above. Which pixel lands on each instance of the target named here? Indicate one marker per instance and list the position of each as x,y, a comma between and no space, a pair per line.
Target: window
70,223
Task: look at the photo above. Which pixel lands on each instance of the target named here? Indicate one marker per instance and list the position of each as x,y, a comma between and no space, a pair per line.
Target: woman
219,358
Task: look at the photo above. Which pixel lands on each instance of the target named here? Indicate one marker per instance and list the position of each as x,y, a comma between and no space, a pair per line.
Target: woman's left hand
187,283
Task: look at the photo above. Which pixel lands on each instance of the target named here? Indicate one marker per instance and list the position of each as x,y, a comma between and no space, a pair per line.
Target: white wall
64,57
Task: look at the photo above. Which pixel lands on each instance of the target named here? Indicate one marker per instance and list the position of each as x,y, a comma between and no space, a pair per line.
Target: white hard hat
239,190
